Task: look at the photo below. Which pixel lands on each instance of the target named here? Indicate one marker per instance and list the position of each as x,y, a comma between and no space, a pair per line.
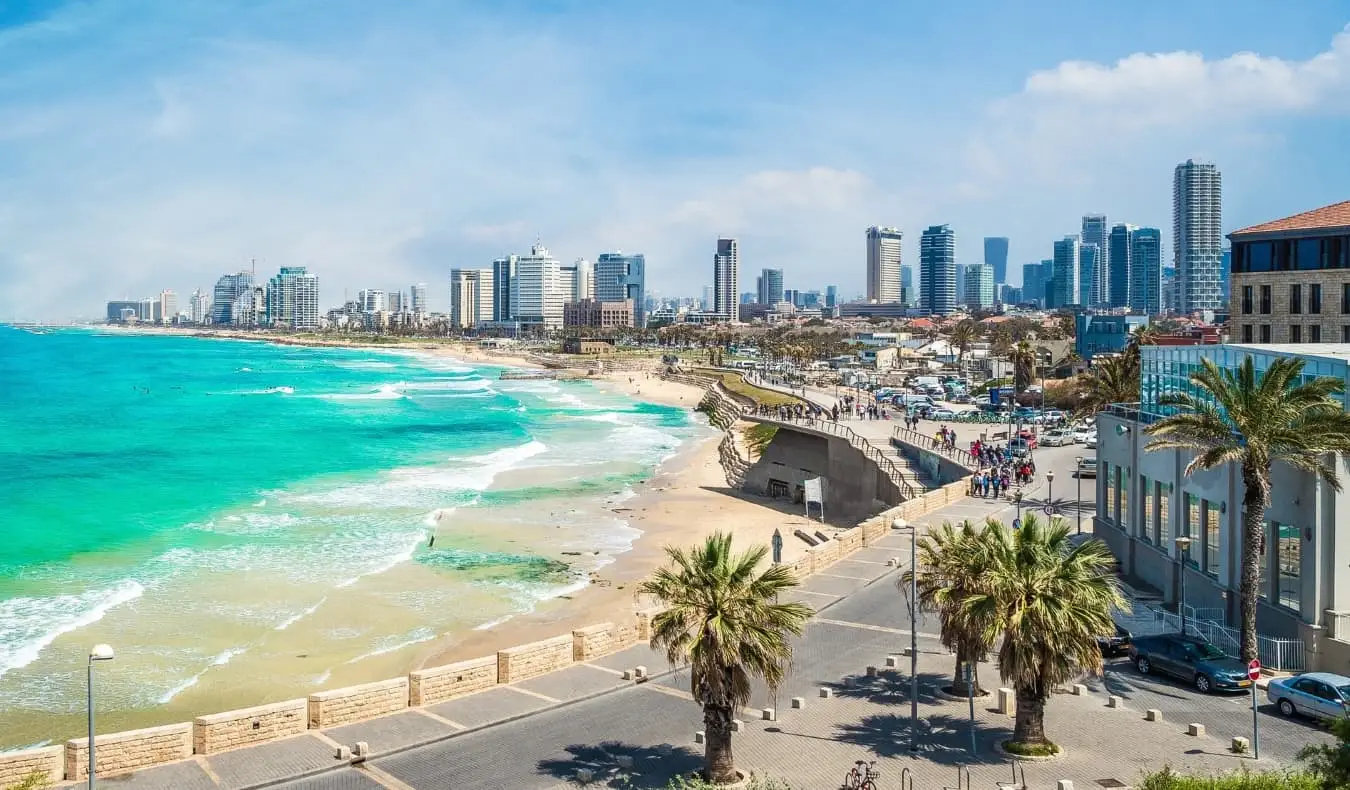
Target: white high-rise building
292,300
979,286
1096,283
199,307
1197,236
1065,288
471,297
419,298
727,280
883,264
537,291
579,280
168,306
373,300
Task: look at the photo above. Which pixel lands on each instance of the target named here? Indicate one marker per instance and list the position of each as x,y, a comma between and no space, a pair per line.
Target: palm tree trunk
1030,725
962,688
1254,502
718,762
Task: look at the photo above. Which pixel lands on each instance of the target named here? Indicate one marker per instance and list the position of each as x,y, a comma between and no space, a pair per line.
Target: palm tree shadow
652,766
888,687
943,739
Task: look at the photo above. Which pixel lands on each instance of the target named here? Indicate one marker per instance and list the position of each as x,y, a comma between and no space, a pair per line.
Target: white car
1080,435
942,414
1091,441
1056,438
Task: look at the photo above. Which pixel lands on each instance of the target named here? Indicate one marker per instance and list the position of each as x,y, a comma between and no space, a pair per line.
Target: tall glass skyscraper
1197,235
619,277
910,295
726,279
1033,286
228,289
1118,250
770,284
1146,271
1089,270
979,286
996,255
1097,280
937,270
1065,288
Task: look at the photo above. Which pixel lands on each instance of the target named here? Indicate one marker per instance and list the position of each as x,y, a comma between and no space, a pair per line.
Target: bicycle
862,779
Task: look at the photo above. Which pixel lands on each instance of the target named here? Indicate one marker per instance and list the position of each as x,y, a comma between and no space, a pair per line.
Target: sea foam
29,625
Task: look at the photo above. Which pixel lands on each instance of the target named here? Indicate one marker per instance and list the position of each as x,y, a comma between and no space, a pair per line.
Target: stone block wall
354,703
849,541
18,766
601,640
220,732
825,554
121,752
438,684
537,658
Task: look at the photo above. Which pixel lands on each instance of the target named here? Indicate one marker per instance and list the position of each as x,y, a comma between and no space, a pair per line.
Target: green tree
1112,379
723,619
1049,600
1236,417
1330,763
951,566
1024,366
965,333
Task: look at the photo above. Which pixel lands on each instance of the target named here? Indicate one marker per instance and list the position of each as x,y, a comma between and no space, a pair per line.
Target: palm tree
1234,418
1024,366
1112,380
1049,600
951,566
963,335
724,620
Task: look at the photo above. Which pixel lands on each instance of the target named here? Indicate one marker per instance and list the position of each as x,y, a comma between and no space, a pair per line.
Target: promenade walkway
541,732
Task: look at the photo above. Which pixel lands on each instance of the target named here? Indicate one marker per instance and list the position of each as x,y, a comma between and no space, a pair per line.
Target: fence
956,454
1282,654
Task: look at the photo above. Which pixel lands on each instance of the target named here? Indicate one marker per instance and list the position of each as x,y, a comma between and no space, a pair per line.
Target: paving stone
637,655
270,761
488,706
343,779
391,732
573,682
833,585
186,775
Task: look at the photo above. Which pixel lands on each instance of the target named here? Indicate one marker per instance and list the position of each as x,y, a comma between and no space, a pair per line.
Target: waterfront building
937,270
471,297
1146,280
1145,500
996,255
199,307
1291,278
503,275
980,286
578,281
228,290
1096,281
604,315
769,286
1033,287
883,264
726,279
120,310
419,299
619,277
168,306
1197,235
1064,288
292,299
537,291
373,300
249,309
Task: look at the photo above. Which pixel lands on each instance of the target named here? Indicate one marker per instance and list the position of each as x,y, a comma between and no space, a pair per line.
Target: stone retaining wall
220,732
354,703
121,752
438,684
601,640
536,658
18,766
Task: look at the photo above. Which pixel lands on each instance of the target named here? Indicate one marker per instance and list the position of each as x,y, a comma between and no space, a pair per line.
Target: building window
1295,334
1164,514
1309,254
1345,334
1110,475
1147,515
1265,300
1295,299
1265,333
1263,568
1192,528
1258,256
1345,298
1212,513
1246,333
1247,300
1125,499
1315,333
1289,555
1315,299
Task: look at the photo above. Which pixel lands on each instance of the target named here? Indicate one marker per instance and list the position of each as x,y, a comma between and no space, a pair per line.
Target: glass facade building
1166,369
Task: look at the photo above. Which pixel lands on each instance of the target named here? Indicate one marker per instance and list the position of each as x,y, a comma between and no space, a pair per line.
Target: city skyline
208,156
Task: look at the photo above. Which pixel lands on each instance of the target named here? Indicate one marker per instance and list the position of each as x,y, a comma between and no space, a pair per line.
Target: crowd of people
997,470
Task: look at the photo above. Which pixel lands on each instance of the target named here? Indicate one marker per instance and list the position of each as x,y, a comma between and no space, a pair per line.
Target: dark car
1190,659
1115,645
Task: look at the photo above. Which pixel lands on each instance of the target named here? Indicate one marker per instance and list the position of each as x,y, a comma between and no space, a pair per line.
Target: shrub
755,783
34,781
1167,779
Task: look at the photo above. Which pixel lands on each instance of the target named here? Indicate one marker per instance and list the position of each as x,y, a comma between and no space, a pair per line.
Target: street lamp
1050,492
1184,546
99,653
1079,461
901,524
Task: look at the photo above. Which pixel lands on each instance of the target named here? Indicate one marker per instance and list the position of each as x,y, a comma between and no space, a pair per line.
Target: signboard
812,493
1254,670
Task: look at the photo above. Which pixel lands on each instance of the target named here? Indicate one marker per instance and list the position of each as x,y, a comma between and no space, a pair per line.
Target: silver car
1318,694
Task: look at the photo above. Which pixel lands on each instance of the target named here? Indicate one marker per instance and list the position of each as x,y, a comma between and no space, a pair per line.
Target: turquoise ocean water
220,510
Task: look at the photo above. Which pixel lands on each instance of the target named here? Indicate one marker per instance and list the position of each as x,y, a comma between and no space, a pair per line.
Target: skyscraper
908,293
619,277
770,284
199,307
1047,282
578,281
883,264
373,300
419,298
537,292
726,280
1146,271
831,296
471,297
937,270
1033,286
293,299
228,289
979,286
1090,270
1118,263
168,306
996,255
960,283
1097,280
503,275
1066,283
1197,235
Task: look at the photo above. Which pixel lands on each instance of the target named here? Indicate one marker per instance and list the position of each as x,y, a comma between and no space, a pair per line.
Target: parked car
1019,448
1056,438
1080,435
1029,437
1091,441
942,414
1321,695
1117,644
1190,659
1088,468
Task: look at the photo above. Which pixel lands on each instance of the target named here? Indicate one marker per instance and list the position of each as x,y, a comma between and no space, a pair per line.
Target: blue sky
153,144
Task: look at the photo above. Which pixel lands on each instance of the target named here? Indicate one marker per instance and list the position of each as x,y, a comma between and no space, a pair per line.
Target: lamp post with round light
901,524
1184,547
100,652
1079,475
1050,492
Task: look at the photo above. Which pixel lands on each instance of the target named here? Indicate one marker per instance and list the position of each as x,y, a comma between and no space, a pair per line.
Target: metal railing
956,454
860,443
1282,654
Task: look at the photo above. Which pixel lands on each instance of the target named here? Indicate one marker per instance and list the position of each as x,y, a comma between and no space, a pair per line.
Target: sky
151,144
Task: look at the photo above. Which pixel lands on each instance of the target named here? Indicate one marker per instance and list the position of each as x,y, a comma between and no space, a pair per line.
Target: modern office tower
1033,287
292,300
1146,271
810,298
419,298
1096,282
1089,270
168,306
537,294
123,310
937,270
707,303
831,296
228,290
960,283
909,294
471,297
980,286
996,255
398,302
199,307
1066,288
578,280
1047,282
148,311
1118,247
792,296
747,297
770,290
503,275
883,264
250,307
1010,294
726,279
373,300
1197,235
619,277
